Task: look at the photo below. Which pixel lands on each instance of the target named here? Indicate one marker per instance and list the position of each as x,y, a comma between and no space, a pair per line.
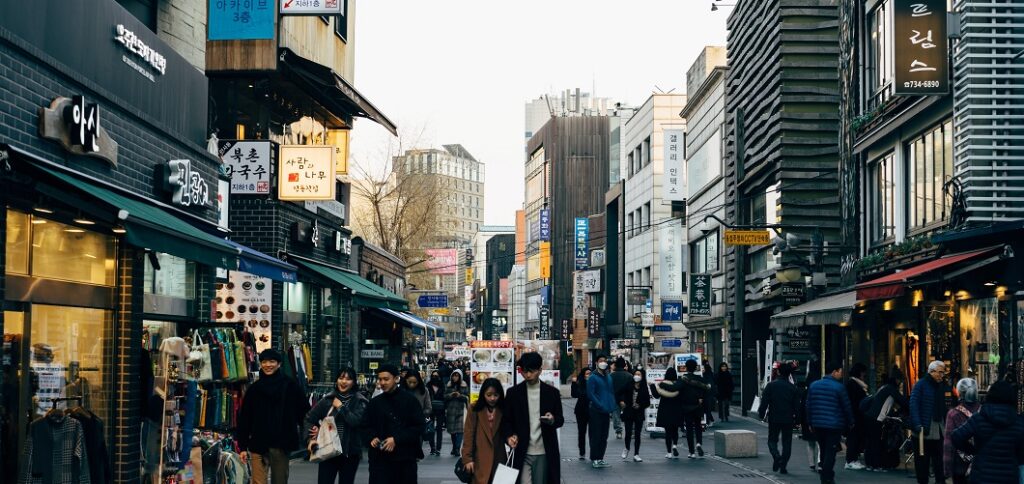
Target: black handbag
428,430
460,472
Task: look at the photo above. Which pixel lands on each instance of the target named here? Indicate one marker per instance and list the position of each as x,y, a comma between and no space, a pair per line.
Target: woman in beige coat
482,450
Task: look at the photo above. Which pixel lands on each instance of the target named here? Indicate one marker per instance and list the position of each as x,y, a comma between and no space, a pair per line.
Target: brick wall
126,424
182,24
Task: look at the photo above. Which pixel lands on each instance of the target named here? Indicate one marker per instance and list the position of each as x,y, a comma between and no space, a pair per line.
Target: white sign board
311,7
248,165
378,354
247,299
671,243
591,282
579,298
651,422
672,184
306,173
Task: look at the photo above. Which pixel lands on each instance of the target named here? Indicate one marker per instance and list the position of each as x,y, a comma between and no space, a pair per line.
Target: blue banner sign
241,19
672,311
582,243
545,225
432,301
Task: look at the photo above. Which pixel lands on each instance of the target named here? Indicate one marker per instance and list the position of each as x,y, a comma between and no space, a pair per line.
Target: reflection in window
72,254
176,277
930,167
704,254
296,297
879,51
979,340
881,198
17,242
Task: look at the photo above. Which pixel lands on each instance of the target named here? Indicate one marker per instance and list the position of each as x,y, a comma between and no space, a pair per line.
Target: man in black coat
268,422
393,427
781,403
530,419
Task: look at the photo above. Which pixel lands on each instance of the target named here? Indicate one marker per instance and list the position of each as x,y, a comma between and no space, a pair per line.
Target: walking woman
582,409
692,393
956,461
348,406
436,389
724,387
670,412
482,449
633,401
456,397
995,436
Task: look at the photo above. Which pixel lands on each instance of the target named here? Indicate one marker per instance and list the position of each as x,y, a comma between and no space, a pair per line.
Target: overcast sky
461,71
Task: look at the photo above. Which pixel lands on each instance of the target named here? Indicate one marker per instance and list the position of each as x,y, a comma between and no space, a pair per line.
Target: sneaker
782,470
636,458
583,457
700,451
600,464
854,466
691,456
669,455
595,464
675,451
625,454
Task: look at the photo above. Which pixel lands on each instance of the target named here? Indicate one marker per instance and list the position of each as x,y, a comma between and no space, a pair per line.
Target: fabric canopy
418,325
823,311
894,284
365,293
263,265
147,225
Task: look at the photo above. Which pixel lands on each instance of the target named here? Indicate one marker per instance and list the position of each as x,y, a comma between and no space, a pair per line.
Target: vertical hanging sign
922,48
700,294
672,181
582,243
671,263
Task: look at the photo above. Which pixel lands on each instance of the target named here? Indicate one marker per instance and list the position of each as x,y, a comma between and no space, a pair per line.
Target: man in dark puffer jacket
998,437
928,411
829,415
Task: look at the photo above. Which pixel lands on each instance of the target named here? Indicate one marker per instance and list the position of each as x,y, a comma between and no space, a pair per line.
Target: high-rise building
567,102
461,177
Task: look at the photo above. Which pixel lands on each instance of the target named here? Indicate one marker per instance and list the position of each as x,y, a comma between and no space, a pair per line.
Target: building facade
460,177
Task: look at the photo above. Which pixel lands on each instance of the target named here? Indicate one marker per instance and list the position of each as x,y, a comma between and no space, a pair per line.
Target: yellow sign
545,260
339,139
469,276
747,237
306,173
439,311
374,365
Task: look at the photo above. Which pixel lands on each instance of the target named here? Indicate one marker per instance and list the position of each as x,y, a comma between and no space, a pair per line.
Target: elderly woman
956,462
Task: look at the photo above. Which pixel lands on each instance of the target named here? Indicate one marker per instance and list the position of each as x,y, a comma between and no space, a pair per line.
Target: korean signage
545,224
579,298
593,323
566,329
75,123
490,359
921,47
638,297
671,311
747,237
545,260
246,299
672,184
591,282
248,165
306,173
670,241
154,61
442,261
187,187
311,7
582,242
432,300
597,258
700,294
240,20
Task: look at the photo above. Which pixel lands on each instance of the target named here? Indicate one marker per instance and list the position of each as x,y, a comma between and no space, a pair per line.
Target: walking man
622,377
272,412
780,402
601,393
530,419
394,427
829,415
927,418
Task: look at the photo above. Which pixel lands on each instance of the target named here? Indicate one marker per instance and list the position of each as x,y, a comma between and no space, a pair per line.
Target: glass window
879,61
176,277
17,242
647,151
930,167
704,163
704,254
881,199
979,339
296,297
69,253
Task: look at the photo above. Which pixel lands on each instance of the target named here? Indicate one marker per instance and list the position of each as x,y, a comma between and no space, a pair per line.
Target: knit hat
271,354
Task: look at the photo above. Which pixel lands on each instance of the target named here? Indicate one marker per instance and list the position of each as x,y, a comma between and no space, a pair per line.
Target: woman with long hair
670,412
633,401
347,405
724,387
582,409
482,449
435,386
456,397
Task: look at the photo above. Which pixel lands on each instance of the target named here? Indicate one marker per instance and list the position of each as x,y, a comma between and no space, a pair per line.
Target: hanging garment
55,452
189,419
308,359
100,469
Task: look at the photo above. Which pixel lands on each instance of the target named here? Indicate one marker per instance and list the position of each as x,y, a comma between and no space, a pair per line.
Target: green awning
365,293
152,227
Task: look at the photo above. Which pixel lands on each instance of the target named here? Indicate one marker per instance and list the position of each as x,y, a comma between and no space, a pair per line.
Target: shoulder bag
328,442
203,353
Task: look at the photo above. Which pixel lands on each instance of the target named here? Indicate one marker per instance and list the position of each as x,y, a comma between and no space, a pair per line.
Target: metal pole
739,307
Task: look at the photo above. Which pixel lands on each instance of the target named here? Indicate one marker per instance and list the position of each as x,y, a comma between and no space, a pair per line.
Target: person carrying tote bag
482,450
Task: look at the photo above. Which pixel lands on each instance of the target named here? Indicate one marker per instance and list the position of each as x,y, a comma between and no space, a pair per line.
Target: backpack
866,403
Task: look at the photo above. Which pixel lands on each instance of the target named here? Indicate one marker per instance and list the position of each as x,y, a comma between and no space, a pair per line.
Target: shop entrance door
14,413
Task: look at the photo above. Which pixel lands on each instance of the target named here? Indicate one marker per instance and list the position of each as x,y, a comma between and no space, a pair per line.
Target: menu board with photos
550,353
246,299
490,359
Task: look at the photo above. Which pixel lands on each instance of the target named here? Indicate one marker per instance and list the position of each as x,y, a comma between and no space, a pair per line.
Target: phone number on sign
921,84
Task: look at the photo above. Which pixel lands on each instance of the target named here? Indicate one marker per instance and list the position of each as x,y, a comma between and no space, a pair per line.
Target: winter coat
422,396
482,445
55,452
879,398
922,403
397,414
711,395
436,401
670,408
601,393
998,439
579,392
857,394
805,425
692,391
952,463
515,420
643,398
348,419
828,405
781,402
272,411
620,379
724,385
455,406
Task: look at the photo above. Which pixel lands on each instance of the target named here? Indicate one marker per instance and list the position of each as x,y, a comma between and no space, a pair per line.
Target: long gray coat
455,406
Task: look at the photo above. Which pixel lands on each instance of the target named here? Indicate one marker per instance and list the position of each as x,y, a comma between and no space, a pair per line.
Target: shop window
930,166
176,277
58,251
296,297
17,242
979,340
879,59
881,199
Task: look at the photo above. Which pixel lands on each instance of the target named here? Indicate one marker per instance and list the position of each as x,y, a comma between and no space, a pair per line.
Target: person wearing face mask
268,422
601,393
348,406
633,402
436,388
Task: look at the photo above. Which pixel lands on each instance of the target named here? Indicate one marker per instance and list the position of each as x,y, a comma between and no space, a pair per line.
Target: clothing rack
54,401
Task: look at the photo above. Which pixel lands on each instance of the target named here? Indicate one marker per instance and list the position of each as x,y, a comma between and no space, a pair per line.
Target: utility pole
739,260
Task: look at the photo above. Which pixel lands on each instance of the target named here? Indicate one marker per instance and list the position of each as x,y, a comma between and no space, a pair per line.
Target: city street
655,468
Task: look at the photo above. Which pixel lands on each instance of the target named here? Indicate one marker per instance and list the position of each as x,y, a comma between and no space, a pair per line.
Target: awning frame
893,285
826,310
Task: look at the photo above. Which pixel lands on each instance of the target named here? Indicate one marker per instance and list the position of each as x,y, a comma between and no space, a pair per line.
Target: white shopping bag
327,440
505,473
756,407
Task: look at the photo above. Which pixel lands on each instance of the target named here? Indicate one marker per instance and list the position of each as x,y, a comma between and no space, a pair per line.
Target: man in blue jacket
927,419
829,415
601,393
